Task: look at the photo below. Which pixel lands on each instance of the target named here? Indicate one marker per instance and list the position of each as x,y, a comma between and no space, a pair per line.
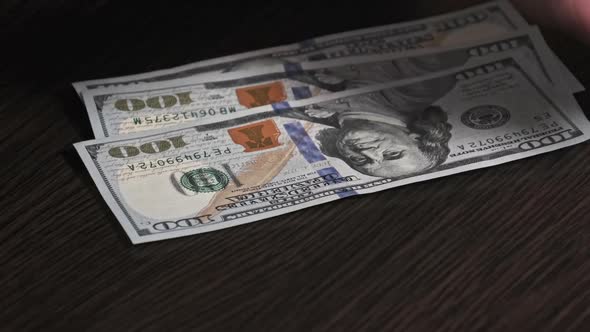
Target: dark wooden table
499,249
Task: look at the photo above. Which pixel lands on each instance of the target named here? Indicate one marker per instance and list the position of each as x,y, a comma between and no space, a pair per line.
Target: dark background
500,249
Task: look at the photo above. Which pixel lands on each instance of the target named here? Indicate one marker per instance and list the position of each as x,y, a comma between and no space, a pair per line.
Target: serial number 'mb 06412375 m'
147,120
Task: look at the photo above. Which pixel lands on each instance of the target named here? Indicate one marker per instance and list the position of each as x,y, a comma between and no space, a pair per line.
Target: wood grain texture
498,249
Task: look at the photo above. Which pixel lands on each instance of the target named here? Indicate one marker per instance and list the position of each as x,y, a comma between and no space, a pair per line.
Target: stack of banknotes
228,141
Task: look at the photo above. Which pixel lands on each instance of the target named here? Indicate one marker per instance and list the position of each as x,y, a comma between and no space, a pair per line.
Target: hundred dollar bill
288,156
128,109
474,23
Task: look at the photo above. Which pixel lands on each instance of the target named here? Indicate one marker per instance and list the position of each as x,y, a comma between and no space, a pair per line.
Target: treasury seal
204,180
485,117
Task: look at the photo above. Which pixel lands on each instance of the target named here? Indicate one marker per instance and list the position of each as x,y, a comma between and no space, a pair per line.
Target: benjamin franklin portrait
389,133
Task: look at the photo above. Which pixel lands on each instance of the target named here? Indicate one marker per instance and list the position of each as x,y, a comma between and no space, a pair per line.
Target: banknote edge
513,15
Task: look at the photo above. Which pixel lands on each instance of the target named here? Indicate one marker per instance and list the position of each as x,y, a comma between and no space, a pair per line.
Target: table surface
503,248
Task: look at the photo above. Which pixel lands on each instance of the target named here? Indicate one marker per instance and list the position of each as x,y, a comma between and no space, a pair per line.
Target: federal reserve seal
204,180
485,117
